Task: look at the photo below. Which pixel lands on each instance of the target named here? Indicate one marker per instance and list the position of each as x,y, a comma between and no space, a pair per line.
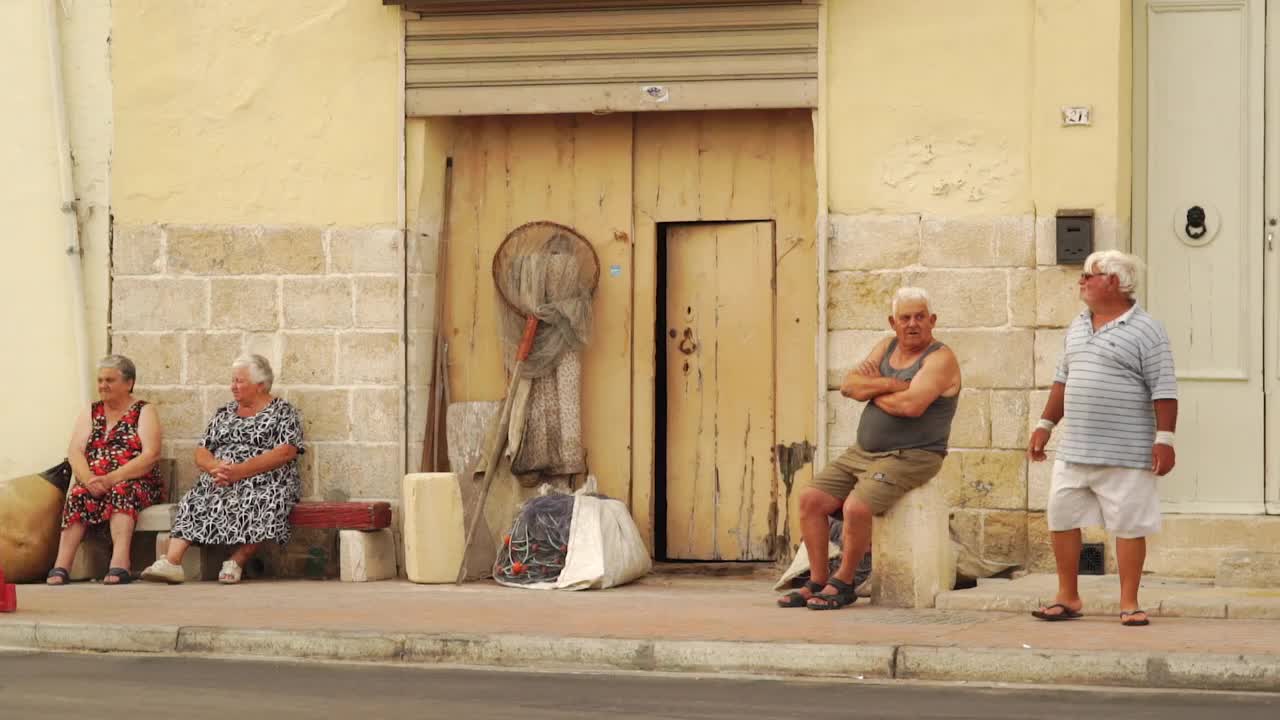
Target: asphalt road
115,687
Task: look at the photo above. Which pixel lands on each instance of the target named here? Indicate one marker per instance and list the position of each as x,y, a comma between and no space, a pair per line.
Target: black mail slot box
1075,236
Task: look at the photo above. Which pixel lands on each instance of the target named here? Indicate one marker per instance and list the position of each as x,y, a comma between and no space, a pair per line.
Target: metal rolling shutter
618,56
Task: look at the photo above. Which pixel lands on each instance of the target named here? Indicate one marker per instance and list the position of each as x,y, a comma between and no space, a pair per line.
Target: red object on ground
341,515
8,595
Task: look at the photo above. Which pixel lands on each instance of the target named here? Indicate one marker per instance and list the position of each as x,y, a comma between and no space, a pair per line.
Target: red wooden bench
341,515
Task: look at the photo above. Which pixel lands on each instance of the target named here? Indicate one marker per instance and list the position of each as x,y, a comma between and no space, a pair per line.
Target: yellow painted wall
243,111
952,108
1082,57
928,106
39,360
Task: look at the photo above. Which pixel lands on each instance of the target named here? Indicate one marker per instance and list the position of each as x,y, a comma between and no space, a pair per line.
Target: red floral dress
105,452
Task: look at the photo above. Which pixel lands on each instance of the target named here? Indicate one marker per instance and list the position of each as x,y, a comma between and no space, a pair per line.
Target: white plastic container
433,527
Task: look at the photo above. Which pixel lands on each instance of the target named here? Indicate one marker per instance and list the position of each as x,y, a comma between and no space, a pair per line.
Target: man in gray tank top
911,384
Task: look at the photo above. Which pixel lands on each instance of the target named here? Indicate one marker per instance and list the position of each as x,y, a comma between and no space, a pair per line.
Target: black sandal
122,576
1064,613
58,573
1127,619
845,594
795,599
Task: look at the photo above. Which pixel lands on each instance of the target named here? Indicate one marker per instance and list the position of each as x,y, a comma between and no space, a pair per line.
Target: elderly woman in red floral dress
113,454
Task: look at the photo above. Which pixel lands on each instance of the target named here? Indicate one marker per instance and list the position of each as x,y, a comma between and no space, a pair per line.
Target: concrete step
1163,597
1249,570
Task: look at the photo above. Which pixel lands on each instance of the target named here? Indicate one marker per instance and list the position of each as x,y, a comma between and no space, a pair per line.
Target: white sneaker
230,573
164,571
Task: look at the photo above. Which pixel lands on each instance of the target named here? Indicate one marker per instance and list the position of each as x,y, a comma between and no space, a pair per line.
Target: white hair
910,294
258,367
119,362
1113,262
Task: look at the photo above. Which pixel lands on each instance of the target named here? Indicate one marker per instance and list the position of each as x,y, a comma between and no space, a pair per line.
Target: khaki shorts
877,479
1125,501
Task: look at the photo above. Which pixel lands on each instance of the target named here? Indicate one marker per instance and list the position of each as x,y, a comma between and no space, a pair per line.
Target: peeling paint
790,458
961,167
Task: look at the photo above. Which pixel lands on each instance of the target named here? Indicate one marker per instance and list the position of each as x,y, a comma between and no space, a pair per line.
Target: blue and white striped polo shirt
1112,377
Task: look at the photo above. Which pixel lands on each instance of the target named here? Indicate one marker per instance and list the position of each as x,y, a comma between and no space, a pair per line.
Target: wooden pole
497,440
433,445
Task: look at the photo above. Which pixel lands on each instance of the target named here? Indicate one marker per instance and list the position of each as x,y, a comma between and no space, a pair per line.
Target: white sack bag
605,547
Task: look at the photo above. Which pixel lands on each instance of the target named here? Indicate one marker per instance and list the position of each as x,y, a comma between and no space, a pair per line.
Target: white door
1204,242
1272,230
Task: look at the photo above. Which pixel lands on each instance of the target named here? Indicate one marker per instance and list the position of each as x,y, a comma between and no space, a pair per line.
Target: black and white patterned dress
257,508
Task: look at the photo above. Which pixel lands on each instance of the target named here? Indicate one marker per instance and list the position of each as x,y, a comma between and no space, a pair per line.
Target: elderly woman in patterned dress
113,454
249,477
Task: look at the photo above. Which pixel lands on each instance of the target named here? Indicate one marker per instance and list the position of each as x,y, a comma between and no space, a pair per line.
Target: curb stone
310,645
798,659
1182,671
107,638
530,651
20,636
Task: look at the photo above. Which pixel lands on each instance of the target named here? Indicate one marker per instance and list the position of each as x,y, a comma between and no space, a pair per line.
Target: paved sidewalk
664,623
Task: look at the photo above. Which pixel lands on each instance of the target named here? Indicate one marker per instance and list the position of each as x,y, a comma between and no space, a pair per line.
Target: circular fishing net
549,271
538,544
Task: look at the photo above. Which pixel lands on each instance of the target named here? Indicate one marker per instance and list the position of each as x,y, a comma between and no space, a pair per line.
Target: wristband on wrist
1164,437
1046,424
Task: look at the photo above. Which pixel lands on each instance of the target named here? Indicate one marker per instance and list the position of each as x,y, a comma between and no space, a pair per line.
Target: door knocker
1196,227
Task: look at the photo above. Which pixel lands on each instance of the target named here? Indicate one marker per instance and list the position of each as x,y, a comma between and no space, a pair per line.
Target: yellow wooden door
570,169
720,391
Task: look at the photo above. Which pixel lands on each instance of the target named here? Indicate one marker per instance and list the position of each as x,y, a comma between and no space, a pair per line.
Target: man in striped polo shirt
1115,386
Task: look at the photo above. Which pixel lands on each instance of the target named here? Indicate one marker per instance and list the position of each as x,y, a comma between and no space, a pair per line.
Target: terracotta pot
30,515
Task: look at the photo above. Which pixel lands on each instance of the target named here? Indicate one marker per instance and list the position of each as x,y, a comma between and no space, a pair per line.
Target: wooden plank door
570,169
726,167
719,384
1203,231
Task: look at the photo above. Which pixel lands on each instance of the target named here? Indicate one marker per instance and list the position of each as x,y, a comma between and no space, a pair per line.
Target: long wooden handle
526,342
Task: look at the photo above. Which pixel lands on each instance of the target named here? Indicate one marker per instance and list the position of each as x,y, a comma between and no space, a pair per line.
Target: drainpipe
67,206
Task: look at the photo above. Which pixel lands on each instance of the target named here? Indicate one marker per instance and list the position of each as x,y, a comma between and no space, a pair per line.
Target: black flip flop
61,573
1066,614
845,595
1126,618
796,600
122,575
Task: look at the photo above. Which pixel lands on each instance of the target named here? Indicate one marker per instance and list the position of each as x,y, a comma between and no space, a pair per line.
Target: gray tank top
878,431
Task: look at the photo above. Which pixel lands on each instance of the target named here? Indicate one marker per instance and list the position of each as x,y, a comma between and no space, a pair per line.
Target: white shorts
1125,501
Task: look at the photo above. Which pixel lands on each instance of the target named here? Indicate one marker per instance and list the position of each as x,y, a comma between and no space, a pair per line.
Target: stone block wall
326,305
1003,306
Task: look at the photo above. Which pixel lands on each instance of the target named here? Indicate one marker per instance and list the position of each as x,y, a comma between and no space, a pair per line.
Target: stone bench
912,559
366,545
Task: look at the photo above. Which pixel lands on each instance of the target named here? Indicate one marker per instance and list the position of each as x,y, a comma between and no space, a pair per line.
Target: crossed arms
939,373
